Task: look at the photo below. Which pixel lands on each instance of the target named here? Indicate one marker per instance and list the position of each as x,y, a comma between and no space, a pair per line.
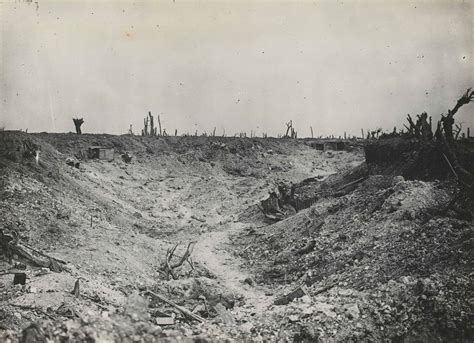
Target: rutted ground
113,223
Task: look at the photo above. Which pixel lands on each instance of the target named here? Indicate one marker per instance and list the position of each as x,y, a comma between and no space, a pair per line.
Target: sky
234,65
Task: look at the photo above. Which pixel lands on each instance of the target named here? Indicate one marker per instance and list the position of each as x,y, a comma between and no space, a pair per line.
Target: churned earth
113,223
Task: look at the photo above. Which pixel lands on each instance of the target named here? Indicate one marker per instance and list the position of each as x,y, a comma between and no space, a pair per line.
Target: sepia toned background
234,65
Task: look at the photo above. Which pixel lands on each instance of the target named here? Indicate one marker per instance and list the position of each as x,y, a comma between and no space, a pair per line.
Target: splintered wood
10,244
185,258
183,310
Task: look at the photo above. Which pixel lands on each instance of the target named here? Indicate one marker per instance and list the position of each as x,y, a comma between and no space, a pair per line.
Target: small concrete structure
323,145
335,145
101,153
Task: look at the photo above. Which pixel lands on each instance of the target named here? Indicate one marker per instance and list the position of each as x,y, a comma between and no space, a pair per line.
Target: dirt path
211,251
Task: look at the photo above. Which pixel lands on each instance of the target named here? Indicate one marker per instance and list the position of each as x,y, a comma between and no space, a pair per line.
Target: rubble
352,256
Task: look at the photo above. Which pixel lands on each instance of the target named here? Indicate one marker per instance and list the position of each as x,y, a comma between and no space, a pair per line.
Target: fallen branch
10,244
7,272
198,219
180,308
323,289
43,254
451,167
307,248
351,184
270,216
50,263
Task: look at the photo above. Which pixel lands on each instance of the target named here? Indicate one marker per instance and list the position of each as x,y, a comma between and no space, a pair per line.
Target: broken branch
180,308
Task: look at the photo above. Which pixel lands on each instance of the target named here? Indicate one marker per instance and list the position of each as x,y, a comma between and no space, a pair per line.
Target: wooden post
145,124
311,131
151,123
159,125
345,137
468,132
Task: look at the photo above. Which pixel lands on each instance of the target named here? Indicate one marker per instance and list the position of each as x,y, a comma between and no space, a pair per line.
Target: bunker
101,153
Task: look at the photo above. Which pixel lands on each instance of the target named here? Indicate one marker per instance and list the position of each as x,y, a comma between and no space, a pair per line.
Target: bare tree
77,123
457,131
448,120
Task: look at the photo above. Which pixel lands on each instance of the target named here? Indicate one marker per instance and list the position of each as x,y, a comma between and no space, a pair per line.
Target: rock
246,327
397,179
248,281
33,334
200,309
127,158
345,292
307,311
224,315
293,318
352,311
156,331
325,308
20,266
137,307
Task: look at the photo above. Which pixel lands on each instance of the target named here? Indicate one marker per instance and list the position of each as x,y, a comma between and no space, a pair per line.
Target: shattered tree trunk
418,157
152,125
11,246
77,123
145,125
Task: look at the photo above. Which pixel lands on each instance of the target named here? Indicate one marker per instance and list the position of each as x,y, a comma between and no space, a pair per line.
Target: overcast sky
234,65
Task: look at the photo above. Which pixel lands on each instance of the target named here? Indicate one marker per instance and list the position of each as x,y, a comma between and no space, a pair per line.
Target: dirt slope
114,221
395,270
378,261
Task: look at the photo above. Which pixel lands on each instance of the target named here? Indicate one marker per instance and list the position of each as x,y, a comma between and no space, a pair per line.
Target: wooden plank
164,320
